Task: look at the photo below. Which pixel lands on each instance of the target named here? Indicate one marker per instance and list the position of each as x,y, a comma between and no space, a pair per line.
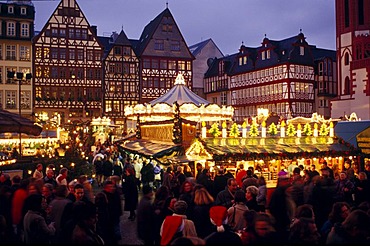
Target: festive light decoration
214,130
291,130
192,107
307,129
273,129
324,130
253,131
234,131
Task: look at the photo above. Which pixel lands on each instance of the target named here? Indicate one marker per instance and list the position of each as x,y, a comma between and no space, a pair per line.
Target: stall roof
289,146
150,149
348,130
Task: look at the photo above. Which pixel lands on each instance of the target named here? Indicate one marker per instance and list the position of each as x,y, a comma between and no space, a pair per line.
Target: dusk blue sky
227,22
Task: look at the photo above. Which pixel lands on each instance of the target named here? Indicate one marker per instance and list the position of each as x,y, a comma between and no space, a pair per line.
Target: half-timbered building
121,77
16,31
68,66
163,54
278,76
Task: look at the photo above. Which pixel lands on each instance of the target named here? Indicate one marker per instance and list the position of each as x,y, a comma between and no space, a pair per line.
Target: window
10,99
23,11
71,34
25,99
72,54
1,77
1,99
117,50
54,53
361,12
24,53
301,50
62,33
146,64
10,10
268,54
62,53
78,34
108,106
163,64
84,34
175,46
167,28
346,59
1,51
25,31
11,52
80,55
346,13
126,50
263,57
10,29
223,98
159,45
347,86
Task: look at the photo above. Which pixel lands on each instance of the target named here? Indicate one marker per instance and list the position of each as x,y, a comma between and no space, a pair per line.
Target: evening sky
227,22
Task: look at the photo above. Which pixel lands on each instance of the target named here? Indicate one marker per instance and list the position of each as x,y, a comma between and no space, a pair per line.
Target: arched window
347,86
346,59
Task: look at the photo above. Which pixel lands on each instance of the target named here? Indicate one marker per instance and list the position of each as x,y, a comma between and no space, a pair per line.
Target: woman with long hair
203,201
131,193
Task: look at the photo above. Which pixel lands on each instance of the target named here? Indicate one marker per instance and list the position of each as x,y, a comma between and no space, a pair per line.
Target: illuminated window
301,50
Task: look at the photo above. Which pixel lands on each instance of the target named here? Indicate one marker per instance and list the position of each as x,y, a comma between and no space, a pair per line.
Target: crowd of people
317,208
178,207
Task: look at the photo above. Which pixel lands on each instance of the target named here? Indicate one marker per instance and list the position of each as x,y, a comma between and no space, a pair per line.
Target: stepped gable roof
182,94
149,30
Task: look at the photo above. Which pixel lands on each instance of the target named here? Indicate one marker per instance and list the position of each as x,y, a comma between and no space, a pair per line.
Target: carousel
166,126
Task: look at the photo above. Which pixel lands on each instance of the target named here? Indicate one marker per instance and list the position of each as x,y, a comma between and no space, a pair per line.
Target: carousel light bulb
314,159
350,157
61,166
29,172
72,164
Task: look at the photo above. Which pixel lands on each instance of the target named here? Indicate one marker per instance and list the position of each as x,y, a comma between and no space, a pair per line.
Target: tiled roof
196,48
281,51
149,31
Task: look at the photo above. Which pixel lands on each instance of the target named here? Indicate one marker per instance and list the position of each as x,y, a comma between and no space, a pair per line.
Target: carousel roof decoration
192,106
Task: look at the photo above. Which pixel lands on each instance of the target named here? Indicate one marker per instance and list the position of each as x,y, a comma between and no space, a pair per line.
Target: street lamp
19,77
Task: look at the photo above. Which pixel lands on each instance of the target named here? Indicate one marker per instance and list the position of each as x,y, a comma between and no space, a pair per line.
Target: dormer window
268,54
10,9
23,11
243,60
263,55
301,50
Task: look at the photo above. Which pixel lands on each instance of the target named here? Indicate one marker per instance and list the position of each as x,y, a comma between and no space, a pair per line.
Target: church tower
353,58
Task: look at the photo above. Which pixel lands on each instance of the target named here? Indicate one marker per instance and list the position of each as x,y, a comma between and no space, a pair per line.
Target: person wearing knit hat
223,235
172,225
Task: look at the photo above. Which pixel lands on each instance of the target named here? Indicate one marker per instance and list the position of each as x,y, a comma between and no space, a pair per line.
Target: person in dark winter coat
131,193
204,179
355,230
219,182
107,168
226,197
84,232
147,174
36,231
203,201
109,207
145,217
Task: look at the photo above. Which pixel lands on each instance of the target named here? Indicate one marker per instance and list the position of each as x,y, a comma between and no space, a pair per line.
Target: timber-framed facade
278,76
68,66
121,78
163,54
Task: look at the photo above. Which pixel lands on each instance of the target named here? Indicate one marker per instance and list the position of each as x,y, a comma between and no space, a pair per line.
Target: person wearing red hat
171,229
223,235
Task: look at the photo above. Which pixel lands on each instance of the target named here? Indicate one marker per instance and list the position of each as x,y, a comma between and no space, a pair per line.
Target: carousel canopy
192,107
